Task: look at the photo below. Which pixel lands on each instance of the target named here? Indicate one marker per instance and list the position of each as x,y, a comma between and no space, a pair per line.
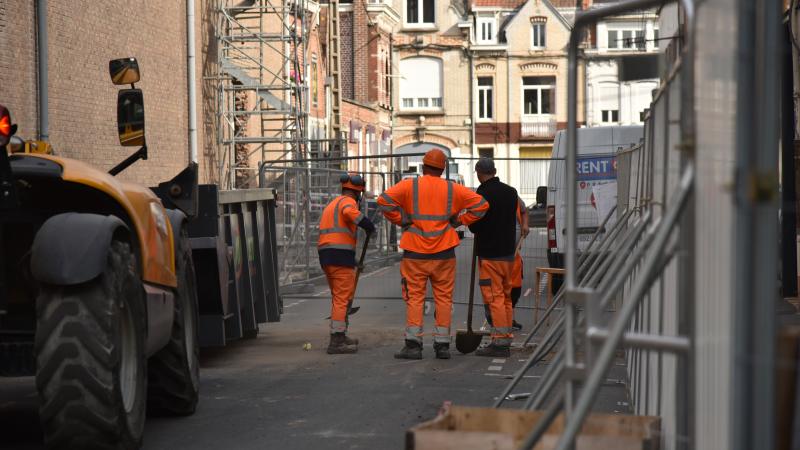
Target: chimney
361,32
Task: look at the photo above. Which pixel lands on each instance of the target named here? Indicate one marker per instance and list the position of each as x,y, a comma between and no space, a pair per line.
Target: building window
486,30
538,95
609,116
538,35
420,12
486,152
607,102
421,83
485,100
387,80
314,86
655,38
626,39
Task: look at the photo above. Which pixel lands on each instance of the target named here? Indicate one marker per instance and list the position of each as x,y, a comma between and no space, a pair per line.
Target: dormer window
486,30
538,33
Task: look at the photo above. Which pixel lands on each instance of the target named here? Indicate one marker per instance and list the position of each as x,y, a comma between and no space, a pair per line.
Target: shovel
467,341
350,308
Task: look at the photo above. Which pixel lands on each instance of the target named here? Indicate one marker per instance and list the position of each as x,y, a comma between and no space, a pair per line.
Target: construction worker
427,208
337,256
495,240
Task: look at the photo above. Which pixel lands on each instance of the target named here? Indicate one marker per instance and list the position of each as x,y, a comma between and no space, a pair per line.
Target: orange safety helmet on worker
336,248
427,208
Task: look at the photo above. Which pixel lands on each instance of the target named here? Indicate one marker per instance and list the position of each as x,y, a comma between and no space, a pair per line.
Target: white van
596,166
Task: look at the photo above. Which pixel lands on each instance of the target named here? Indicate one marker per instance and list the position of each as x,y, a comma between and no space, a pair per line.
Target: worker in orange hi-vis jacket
337,256
427,208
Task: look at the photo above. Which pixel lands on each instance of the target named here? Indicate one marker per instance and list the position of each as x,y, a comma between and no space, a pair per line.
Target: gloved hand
455,222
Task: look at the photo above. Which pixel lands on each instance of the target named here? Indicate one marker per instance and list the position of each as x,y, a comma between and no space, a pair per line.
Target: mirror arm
140,154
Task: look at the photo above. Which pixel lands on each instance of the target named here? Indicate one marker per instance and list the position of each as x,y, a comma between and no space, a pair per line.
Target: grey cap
485,165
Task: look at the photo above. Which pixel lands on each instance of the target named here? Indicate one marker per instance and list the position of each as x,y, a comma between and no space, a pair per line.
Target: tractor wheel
174,371
90,354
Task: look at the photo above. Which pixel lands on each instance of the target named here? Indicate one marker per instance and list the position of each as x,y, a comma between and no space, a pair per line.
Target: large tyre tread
77,360
170,393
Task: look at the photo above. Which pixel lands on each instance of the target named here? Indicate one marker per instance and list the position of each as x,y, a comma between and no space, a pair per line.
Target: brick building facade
366,31
82,38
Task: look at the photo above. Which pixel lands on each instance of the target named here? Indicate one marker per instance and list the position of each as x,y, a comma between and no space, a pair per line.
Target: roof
563,3
505,4
550,4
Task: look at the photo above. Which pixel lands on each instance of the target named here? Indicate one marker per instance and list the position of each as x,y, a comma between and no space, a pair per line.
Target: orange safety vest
337,227
423,207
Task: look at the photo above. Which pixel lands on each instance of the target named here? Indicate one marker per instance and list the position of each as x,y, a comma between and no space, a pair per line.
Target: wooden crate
466,428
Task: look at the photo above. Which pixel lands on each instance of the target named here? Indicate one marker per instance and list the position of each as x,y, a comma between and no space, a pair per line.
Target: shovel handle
472,285
361,258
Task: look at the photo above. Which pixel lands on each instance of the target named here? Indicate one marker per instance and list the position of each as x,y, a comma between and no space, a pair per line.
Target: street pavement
269,392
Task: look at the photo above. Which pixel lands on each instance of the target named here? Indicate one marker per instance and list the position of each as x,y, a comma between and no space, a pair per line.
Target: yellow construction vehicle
97,285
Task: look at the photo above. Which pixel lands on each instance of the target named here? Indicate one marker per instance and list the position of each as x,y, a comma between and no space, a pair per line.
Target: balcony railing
538,127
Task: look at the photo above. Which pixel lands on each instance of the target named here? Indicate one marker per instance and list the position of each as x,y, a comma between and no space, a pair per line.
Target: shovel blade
468,341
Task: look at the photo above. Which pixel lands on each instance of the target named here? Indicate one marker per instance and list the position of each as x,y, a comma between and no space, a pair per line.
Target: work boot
339,345
350,341
412,350
495,351
516,326
442,350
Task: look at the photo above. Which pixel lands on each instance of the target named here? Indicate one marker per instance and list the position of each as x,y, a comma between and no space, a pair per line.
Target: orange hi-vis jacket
337,227
423,207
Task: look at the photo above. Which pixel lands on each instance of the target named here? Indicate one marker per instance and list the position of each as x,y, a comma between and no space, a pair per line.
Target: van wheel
90,354
174,371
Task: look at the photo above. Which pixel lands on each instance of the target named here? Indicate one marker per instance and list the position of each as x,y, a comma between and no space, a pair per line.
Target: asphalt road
269,392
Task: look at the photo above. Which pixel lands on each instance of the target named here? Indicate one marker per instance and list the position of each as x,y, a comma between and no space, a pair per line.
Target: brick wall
346,55
18,64
362,32
83,36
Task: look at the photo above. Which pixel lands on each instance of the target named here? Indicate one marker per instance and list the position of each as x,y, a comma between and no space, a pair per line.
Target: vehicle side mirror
130,118
541,195
124,71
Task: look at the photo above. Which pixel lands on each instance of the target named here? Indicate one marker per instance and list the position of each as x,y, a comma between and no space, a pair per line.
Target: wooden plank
468,428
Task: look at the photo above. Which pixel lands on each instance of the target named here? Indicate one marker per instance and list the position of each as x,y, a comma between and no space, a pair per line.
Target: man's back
428,203
495,233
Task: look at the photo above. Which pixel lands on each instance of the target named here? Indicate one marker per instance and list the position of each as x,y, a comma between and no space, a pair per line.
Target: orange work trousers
415,275
495,283
342,282
516,272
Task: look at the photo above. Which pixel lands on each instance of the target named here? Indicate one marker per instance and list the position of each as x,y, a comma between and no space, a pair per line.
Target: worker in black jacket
495,246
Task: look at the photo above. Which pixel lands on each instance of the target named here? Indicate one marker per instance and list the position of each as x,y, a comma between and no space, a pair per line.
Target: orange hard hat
353,181
435,158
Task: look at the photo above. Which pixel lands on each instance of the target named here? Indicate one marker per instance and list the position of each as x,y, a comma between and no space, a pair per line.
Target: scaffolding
262,90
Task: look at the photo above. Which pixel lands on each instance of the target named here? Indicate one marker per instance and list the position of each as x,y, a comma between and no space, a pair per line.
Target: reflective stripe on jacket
423,207
337,227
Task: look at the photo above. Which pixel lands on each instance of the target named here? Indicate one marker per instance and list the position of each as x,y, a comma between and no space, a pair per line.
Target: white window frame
610,119
618,44
417,92
486,30
538,39
420,23
485,93
539,88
